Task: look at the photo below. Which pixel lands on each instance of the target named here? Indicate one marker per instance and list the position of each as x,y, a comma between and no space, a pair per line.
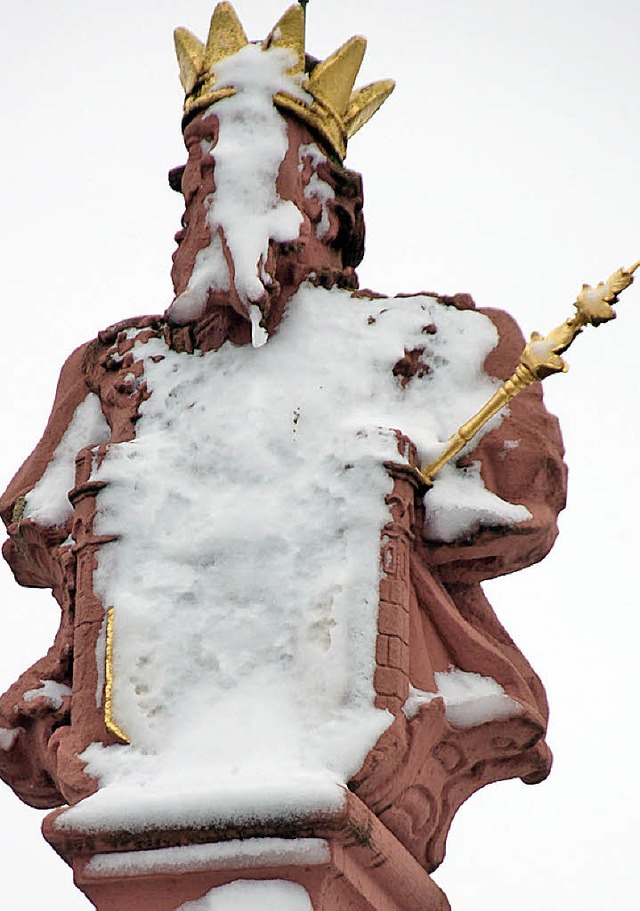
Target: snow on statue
260,606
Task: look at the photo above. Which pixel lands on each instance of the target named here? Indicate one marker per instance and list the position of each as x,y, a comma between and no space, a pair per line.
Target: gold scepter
539,359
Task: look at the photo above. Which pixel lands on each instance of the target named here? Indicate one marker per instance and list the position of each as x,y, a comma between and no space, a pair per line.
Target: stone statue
262,610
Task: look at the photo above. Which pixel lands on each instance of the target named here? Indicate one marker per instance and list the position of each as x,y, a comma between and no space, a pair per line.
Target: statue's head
268,202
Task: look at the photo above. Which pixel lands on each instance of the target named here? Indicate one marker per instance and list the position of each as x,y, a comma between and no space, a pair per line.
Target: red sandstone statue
204,502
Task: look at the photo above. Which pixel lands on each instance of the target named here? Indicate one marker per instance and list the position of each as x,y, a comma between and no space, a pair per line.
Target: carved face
259,216
265,208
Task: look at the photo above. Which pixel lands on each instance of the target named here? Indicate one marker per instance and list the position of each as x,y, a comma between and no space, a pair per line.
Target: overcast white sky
505,165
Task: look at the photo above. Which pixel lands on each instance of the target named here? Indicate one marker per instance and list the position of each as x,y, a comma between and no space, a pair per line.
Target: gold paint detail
333,109
288,33
190,54
226,36
540,358
364,103
111,724
331,82
17,514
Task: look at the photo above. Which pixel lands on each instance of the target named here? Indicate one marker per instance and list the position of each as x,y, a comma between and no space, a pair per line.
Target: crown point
333,79
333,109
288,32
364,103
226,35
190,54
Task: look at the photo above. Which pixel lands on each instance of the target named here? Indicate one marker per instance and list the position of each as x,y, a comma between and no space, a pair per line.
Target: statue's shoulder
89,390
502,360
105,354
129,327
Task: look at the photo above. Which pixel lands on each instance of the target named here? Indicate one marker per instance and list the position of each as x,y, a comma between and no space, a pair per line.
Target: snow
245,853
245,577
543,348
469,699
48,502
259,335
248,895
53,692
458,505
245,209
7,738
169,789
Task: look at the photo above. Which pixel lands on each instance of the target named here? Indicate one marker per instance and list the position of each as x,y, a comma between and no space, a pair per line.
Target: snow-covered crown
324,99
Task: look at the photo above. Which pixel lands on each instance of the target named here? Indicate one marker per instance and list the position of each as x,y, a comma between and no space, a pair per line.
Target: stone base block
346,861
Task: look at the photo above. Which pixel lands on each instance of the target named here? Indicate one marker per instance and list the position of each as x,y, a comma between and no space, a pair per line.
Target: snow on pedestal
245,895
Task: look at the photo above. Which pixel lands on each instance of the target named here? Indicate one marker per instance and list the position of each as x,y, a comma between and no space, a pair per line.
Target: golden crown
336,111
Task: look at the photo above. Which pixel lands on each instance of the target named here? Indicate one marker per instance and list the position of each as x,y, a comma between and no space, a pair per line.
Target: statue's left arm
521,461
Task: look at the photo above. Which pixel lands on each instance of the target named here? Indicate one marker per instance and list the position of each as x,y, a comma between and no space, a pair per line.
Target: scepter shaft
515,384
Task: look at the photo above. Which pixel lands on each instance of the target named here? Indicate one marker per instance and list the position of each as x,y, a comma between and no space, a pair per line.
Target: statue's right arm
32,551
71,391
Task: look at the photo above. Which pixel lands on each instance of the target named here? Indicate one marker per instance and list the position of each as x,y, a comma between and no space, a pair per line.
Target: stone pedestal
346,861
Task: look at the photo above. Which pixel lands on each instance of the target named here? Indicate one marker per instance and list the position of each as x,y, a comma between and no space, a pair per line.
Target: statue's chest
247,514
248,530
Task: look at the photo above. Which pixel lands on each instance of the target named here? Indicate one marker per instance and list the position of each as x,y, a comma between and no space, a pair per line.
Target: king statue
274,646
